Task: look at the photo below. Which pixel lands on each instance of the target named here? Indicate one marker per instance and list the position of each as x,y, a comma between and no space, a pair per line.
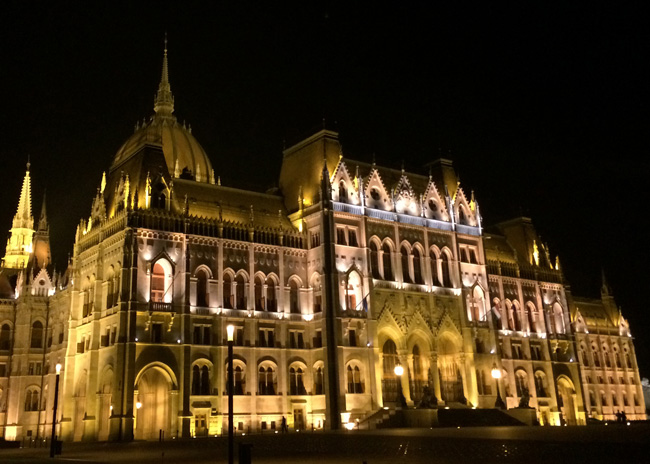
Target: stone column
435,378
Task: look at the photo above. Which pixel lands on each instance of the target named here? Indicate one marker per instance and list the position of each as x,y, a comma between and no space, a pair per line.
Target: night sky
544,109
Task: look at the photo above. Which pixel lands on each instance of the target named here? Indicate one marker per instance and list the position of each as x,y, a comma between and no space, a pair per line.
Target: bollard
245,453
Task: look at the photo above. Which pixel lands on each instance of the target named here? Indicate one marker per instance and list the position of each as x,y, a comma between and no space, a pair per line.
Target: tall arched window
240,288
157,283
390,382
540,384
296,385
417,266
271,300
196,380
318,381
444,266
374,260
227,291
205,380
406,273
37,335
343,191
522,382
259,294
387,262
516,311
606,357
434,268
266,381
532,317
354,380
239,380
596,356
5,337
32,397
202,297
294,301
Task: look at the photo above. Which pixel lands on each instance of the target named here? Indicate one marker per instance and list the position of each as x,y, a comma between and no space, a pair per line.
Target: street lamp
56,404
401,400
230,329
496,375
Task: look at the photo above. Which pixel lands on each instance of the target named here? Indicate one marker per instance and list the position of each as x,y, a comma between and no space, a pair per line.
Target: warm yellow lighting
103,184
138,405
399,370
349,425
535,253
231,332
58,368
496,372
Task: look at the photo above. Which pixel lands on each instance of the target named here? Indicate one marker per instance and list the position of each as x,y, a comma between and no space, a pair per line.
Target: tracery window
32,397
417,266
202,297
354,379
266,381
374,260
387,262
318,381
296,385
406,274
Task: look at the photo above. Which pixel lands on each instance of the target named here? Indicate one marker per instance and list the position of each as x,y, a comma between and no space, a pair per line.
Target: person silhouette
285,429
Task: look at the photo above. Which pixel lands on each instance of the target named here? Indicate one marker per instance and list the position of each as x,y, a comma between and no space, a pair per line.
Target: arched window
510,312
240,287
259,294
294,301
296,385
266,381
628,360
5,337
558,317
617,358
521,379
343,191
532,317
196,380
389,351
354,380
417,362
406,273
318,381
37,335
583,356
157,283
374,260
202,297
417,266
516,311
444,266
603,399
240,380
205,380
387,262
462,216
318,298
271,303
540,384
227,291
606,357
434,268
596,355
32,397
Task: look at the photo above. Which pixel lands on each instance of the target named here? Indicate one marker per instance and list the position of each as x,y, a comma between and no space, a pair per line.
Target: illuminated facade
351,270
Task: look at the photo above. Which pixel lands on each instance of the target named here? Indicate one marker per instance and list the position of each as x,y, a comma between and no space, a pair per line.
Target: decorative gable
344,188
376,194
405,199
435,206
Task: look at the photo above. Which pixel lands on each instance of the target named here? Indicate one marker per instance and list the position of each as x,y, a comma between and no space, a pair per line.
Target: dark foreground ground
606,444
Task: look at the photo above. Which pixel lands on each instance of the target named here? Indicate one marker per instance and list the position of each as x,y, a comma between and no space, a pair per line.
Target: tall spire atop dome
164,103
23,216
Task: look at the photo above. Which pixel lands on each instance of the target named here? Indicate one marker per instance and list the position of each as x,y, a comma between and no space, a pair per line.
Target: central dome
183,154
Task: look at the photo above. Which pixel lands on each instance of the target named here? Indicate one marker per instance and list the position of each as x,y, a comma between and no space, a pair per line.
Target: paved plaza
466,445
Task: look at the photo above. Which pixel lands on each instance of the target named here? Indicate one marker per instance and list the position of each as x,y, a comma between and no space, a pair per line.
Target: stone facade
347,272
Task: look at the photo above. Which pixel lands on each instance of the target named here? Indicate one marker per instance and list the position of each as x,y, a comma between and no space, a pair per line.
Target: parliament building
347,271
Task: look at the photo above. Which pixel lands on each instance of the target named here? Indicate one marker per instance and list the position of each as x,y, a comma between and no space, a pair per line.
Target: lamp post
231,387
496,375
56,404
401,400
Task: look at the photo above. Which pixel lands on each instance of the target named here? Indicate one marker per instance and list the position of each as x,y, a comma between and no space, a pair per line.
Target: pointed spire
42,221
164,104
24,213
604,289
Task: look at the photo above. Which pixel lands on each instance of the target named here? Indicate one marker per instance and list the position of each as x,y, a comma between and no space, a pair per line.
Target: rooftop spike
42,221
164,104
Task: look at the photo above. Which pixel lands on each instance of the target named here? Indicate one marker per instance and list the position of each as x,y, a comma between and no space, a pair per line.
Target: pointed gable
376,193
462,212
343,185
405,199
434,204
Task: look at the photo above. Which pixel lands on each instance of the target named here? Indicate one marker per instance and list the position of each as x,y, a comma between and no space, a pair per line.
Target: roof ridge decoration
164,102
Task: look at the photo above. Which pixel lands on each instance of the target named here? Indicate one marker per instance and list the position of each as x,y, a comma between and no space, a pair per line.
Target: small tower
19,245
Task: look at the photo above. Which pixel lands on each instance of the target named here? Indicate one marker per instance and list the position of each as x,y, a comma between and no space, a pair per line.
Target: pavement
530,445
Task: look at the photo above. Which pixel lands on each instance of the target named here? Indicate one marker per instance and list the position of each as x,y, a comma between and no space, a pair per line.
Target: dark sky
543,108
